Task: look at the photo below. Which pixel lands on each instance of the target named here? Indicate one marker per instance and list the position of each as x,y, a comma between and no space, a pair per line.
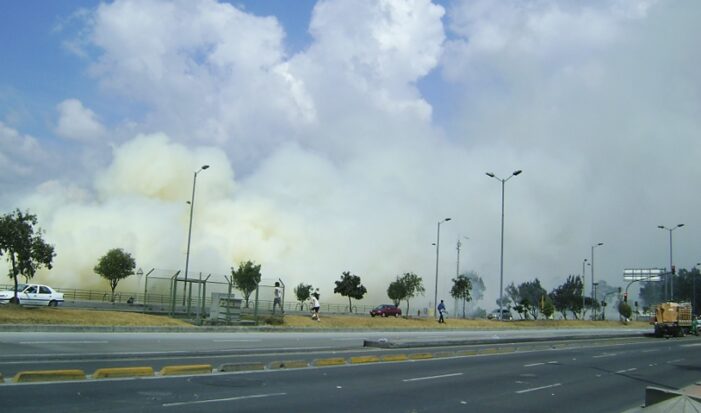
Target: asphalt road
89,351
609,378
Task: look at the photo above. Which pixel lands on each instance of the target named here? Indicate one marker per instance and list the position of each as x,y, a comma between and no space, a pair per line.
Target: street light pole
592,274
671,279
583,284
189,230
693,306
501,259
438,246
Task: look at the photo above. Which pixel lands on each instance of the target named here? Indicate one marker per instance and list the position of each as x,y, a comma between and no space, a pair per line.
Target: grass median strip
116,372
186,369
48,375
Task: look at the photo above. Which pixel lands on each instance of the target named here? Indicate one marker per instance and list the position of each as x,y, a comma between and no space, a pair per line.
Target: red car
386,310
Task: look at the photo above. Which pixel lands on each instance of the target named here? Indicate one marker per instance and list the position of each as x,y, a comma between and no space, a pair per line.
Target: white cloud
78,122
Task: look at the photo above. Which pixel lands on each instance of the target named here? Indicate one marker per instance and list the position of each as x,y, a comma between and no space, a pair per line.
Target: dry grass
12,314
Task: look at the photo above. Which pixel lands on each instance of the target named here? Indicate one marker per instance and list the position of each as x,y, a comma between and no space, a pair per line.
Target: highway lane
608,378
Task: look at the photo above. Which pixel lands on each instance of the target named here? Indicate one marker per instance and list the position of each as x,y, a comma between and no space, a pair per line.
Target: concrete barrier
48,375
395,357
288,364
229,367
186,369
420,356
116,372
364,359
329,362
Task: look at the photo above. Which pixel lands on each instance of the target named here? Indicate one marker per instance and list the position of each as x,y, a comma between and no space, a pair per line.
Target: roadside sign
643,274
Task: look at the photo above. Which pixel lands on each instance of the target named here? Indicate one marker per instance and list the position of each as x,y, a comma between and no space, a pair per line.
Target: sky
339,133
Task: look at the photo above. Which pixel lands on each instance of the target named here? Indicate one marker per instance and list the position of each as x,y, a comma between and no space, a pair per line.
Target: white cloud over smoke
330,159
78,122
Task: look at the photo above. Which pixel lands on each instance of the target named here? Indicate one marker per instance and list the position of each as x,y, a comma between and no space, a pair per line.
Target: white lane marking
236,341
675,361
433,377
539,388
654,350
691,345
540,364
604,355
64,342
626,371
228,399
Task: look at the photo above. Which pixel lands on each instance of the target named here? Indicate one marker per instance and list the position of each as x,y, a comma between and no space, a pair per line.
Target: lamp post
583,284
671,265
501,260
592,274
693,290
438,246
189,230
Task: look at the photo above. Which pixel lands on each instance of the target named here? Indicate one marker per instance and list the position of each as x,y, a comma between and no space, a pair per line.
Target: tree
461,290
413,286
568,296
396,291
246,278
624,310
115,266
531,294
302,292
349,286
23,246
548,308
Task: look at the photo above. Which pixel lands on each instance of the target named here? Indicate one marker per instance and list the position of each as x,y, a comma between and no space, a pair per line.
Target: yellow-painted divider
115,372
420,356
442,354
288,364
48,375
186,369
395,357
364,359
466,353
329,362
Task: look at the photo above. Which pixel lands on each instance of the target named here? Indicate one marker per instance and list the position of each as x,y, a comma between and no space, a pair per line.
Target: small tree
624,310
413,286
23,246
548,308
349,286
396,291
461,290
246,278
302,292
115,266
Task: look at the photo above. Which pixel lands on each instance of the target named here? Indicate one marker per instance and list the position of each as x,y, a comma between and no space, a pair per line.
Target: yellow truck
672,319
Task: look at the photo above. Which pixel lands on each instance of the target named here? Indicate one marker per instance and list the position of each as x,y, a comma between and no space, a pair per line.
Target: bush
625,310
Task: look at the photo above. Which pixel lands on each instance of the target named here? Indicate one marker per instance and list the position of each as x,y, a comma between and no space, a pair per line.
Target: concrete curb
186,369
117,372
48,375
229,367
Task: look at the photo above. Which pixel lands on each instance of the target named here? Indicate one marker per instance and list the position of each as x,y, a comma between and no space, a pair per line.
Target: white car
33,294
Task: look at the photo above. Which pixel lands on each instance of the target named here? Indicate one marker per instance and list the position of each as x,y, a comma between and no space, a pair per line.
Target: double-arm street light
501,262
189,230
438,246
671,265
593,290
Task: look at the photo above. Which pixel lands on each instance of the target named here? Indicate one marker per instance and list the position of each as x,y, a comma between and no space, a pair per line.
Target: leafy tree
548,308
461,290
23,246
624,310
412,286
396,291
303,292
246,278
568,296
115,266
528,296
349,286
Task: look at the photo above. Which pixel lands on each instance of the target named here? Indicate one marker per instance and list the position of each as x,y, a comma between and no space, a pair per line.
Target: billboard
643,274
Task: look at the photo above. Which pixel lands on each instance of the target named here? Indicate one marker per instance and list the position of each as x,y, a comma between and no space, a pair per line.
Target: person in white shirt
314,298
278,298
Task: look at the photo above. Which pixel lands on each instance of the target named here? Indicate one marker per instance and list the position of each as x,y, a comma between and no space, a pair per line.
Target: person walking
315,306
277,300
441,310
